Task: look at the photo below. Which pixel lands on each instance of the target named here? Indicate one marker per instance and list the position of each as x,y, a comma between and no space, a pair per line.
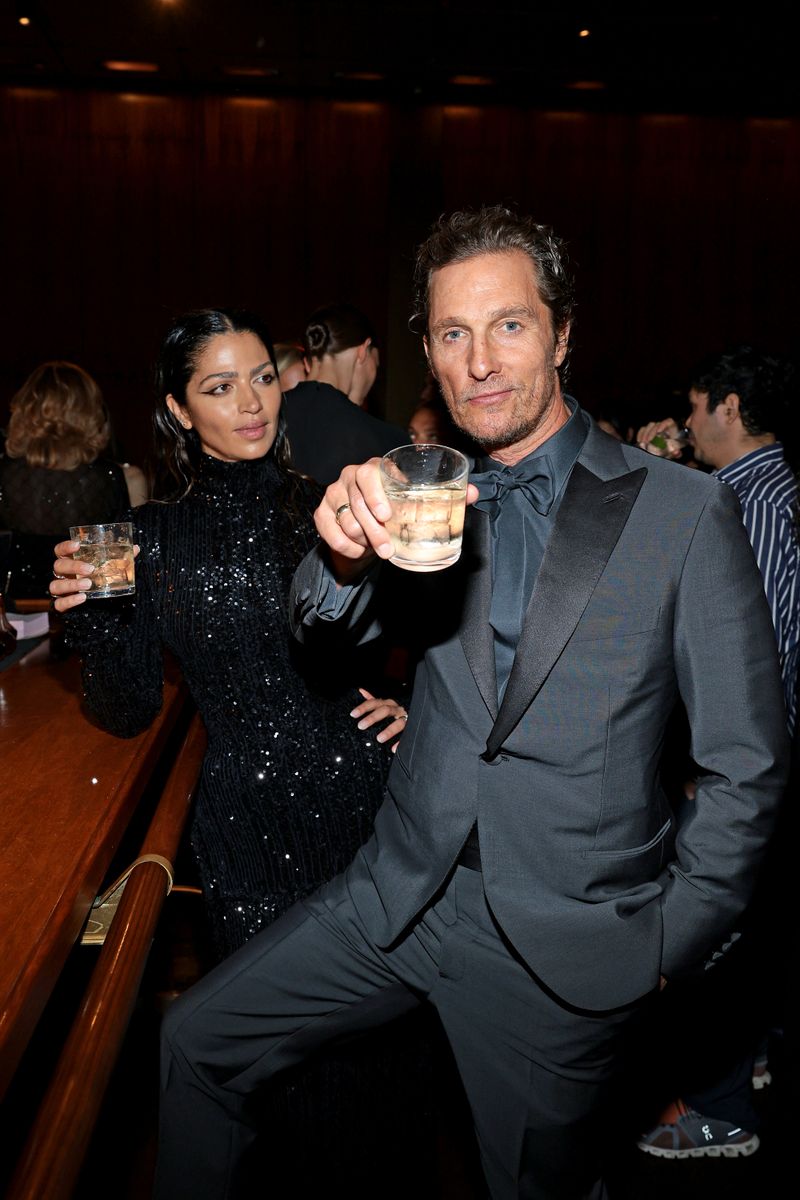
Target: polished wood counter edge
69,790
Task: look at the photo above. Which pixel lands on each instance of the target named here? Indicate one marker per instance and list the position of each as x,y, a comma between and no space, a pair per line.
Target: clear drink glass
109,548
672,442
426,486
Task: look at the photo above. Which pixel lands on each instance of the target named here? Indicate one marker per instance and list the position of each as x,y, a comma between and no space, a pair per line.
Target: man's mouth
488,398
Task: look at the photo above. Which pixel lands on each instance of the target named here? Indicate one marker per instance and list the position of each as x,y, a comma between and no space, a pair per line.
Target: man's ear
562,344
363,350
180,414
427,349
731,405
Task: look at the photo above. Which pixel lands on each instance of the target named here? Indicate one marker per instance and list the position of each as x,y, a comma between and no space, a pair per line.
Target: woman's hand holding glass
71,577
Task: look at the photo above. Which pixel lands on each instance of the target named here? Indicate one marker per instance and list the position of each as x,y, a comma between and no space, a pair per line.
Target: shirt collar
754,458
562,447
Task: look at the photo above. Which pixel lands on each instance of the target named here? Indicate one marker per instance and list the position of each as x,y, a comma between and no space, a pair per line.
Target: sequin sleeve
121,656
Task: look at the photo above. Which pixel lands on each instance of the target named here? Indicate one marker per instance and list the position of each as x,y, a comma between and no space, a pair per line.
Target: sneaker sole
733,1150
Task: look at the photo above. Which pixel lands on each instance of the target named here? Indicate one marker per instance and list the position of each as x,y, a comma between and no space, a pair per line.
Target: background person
55,471
327,423
291,364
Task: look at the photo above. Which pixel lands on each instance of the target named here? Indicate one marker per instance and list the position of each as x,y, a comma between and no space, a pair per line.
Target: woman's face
233,398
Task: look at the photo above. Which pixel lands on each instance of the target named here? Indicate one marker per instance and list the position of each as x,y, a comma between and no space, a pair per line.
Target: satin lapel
476,632
587,527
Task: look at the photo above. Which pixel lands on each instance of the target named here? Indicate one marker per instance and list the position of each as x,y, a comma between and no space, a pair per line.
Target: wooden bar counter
68,791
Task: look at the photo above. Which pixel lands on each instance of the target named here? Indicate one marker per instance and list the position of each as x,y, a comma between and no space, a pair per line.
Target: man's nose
483,360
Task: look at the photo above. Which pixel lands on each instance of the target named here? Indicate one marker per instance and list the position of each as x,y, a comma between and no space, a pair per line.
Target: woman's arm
118,643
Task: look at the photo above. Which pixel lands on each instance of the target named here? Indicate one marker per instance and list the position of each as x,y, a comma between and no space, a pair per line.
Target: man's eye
511,326
452,335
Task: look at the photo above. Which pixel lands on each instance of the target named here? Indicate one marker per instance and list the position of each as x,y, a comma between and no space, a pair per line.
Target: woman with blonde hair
55,472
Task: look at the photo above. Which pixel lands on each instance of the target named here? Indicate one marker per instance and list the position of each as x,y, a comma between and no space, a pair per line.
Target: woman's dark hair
178,452
335,328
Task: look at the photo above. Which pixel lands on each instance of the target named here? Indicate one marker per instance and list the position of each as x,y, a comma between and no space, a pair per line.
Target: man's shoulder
673,478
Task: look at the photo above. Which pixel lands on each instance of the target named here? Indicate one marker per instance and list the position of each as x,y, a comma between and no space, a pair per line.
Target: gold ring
342,508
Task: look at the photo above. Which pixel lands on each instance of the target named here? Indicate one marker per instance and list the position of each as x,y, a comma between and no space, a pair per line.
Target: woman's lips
252,432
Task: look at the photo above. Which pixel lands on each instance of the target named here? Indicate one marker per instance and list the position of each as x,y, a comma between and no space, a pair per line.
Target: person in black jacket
327,423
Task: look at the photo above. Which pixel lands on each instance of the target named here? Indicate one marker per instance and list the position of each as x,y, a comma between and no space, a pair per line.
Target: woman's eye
218,390
267,378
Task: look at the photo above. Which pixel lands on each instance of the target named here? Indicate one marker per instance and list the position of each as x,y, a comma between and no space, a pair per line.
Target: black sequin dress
289,784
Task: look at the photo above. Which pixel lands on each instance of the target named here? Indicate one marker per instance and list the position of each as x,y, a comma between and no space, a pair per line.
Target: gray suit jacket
648,590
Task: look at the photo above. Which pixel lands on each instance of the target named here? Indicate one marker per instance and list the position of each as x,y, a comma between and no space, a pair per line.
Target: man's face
492,347
706,430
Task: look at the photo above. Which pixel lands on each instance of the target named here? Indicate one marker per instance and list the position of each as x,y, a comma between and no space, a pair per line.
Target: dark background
665,147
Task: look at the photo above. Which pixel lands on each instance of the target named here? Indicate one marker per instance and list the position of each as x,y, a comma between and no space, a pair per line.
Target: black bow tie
533,477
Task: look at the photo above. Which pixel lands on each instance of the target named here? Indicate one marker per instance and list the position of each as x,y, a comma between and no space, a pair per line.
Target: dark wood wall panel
120,210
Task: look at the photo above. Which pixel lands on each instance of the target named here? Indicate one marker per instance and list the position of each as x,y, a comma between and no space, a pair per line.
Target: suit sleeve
320,609
728,675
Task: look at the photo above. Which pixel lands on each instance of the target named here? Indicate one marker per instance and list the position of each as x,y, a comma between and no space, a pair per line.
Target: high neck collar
238,479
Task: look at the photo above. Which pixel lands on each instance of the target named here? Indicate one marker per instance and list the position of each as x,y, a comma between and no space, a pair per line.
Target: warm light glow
250,101
357,106
250,72
587,85
24,20
471,80
140,98
142,67
362,76
461,112
584,33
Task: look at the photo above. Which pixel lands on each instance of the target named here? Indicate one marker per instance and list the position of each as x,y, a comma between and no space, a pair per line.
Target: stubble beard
528,413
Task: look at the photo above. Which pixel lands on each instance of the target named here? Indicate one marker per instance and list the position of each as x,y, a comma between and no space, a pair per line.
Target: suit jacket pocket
595,626
609,874
634,850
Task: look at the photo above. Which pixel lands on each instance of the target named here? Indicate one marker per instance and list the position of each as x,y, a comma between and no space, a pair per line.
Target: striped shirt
768,491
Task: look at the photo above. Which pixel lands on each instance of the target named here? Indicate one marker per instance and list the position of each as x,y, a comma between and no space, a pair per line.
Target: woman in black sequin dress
290,784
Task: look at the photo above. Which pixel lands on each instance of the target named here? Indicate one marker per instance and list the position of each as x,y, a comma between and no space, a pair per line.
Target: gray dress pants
534,1069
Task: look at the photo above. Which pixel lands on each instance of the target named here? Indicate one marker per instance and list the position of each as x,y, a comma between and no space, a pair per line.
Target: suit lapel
590,519
475,632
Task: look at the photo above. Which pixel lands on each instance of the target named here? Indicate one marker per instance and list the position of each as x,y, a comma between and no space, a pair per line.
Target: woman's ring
342,508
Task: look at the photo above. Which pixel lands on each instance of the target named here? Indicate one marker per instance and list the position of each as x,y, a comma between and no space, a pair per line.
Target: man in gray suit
525,875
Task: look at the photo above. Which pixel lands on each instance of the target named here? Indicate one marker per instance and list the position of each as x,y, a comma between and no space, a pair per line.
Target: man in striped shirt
738,407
